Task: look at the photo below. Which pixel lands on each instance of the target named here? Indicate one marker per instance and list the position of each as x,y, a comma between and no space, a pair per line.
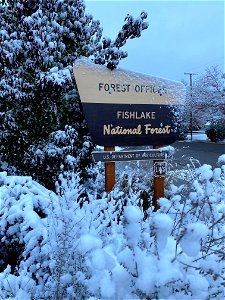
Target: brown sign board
125,108
114,156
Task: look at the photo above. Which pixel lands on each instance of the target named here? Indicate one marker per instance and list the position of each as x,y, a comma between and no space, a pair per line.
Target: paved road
205,152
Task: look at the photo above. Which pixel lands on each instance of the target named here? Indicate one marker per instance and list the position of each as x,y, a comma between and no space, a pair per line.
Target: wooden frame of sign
124,108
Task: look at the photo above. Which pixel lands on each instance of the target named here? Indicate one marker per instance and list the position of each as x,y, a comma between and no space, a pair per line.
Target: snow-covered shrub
67,267
216,131
24,209
42,237
65,151
75,228
102,246
14,287
175,253
136,181
221,160
198,213
183,131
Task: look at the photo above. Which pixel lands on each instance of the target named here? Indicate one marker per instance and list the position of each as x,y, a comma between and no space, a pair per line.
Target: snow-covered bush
65,151
216,131
101,246
40,233
198,213
165,255
24,209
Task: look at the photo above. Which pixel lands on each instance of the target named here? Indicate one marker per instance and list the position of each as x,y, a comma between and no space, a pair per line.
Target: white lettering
119,130
106,129
157,130
135,115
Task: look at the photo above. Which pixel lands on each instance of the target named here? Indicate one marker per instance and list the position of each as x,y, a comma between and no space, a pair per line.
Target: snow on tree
208,97
210,94
39,42
111,53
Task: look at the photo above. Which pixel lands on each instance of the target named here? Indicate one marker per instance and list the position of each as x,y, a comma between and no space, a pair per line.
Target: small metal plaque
160,169
113,156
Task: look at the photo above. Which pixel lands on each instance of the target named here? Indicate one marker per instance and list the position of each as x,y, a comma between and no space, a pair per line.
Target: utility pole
191,114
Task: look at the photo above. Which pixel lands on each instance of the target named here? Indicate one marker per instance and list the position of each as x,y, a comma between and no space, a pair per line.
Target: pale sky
183,36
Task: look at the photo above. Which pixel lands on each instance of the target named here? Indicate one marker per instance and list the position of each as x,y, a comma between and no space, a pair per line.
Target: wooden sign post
159,156
110,172
158,183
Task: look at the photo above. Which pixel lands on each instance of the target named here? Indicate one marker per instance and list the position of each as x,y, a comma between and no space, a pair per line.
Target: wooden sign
125,108
113,156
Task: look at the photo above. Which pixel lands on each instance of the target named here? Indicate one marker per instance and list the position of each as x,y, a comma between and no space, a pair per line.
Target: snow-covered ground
197,136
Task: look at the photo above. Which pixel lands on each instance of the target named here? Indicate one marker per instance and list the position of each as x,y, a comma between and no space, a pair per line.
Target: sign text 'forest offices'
126,88
127,108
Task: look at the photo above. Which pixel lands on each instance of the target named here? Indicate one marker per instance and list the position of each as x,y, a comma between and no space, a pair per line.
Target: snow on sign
125,108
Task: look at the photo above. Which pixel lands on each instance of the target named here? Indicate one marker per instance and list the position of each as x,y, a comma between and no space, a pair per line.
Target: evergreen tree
39,42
